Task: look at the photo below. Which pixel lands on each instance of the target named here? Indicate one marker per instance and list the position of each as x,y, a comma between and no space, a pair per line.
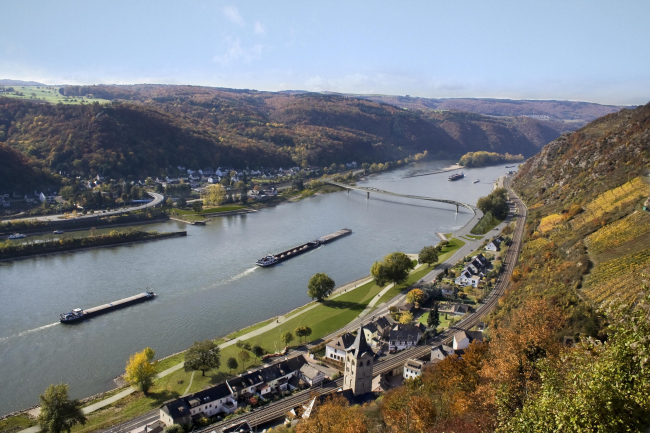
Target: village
352,355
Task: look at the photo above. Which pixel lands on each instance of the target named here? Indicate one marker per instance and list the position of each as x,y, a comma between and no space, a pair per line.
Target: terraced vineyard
618,233
618,278
625,195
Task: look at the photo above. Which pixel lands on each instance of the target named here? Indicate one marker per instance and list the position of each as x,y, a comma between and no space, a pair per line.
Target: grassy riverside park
325,318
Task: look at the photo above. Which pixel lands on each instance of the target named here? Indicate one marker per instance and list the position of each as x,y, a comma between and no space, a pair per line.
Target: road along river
207,282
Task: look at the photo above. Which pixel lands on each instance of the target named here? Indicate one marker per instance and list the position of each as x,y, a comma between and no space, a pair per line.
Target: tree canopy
428,255
59,413
203,356
394,268
320,286
140,370
495,203
415,296
213,195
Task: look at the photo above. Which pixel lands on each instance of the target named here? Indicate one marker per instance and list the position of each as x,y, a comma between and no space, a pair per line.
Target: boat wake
20,334
243,274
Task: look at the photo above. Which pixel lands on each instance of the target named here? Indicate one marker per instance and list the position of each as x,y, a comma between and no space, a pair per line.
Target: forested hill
148,128
587,237
556,114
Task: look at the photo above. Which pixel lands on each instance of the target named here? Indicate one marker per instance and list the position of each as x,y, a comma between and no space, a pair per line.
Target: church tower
359,360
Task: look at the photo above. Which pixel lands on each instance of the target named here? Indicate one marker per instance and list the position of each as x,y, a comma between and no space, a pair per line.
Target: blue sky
579,50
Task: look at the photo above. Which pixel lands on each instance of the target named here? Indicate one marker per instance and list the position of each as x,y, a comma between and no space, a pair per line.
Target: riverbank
10,252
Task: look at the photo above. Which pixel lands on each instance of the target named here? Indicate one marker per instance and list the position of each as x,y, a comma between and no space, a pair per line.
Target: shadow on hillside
343,305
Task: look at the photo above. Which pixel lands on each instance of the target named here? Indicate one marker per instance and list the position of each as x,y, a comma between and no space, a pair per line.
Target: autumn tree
406,318
320,286
213,195
334,415
428,255
203,355
394,268
407,410
59,413
140,370
286,338
415,297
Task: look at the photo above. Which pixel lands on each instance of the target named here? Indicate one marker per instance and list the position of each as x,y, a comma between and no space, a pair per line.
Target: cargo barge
272,259
78,314
457,176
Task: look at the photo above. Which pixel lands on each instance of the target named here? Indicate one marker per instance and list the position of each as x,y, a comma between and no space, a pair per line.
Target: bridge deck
395,194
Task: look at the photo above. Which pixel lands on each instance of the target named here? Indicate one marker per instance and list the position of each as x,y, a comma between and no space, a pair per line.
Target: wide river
207,282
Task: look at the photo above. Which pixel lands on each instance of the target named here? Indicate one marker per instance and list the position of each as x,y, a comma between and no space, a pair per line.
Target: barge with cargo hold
272,259
78,314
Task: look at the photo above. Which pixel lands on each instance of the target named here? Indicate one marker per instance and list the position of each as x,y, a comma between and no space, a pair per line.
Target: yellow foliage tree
334,415
213,195
406,318
140,370
415,296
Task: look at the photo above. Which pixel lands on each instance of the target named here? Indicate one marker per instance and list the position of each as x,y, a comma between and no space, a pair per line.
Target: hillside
17,171
578,113
148,128
587,235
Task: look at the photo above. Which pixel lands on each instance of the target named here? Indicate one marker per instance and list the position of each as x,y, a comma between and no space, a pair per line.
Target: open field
48,94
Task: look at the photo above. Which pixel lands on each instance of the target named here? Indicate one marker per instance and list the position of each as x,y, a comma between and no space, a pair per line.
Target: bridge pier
456,208
368,196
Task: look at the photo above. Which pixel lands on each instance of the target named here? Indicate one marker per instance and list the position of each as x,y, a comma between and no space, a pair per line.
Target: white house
413,368
495,244
464,278
207,403
311,375
335,349
404,336
440,352
463,339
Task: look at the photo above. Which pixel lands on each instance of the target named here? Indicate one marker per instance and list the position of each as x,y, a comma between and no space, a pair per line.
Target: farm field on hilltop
48,94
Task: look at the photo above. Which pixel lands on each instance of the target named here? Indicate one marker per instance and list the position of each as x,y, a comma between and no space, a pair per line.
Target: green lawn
49,94
16,423
222,209
324,319
485,224
449,249
444,323
476,238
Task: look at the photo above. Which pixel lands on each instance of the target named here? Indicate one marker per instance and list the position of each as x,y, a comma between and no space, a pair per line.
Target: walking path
189,384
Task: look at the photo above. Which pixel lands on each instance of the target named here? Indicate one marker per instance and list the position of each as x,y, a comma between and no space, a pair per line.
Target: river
207,282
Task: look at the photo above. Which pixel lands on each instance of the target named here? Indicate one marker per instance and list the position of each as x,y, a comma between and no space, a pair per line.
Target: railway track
277,409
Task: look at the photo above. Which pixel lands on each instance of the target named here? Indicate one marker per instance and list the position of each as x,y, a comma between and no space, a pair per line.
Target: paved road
157,199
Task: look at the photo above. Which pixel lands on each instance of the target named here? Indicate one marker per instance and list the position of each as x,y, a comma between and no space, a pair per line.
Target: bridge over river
368,190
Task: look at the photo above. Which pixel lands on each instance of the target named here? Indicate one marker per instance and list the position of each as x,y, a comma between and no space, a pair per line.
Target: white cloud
235,52
259,28
233,15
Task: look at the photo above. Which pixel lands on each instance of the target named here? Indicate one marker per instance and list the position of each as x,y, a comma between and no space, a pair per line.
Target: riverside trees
203,355
58,413
140,370
320,286
428,255
394,268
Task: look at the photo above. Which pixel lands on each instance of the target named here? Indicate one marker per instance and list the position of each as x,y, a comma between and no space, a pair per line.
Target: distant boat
456,176
476,181
57,232
509,166
17,236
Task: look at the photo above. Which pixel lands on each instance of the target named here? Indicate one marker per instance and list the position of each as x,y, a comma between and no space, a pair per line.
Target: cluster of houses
46,196
474,271
356,354
246,389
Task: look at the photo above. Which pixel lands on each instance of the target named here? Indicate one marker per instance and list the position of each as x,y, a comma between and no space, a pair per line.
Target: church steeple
359,361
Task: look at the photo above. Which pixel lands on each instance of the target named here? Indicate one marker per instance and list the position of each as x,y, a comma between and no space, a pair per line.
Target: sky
596,51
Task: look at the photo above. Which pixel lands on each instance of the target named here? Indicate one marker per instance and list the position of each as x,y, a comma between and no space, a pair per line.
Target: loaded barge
78,314
272,259
456,176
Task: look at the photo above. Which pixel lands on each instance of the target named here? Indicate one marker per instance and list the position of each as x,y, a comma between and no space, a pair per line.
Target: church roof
360,346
